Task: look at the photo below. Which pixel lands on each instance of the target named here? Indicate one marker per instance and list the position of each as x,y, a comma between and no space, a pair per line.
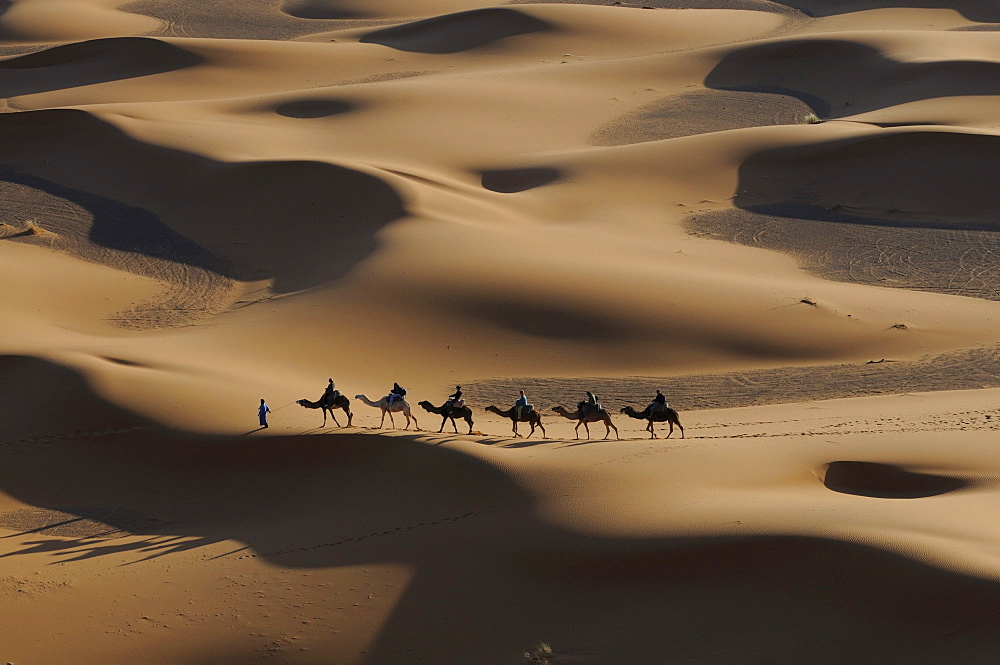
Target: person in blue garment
262,412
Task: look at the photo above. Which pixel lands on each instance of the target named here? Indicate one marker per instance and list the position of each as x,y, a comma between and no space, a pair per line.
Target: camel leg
383,418
532,430
443,421
323,409
350,417
586,426
334,417
611,426
392,421
577,430
454,425
652,434
515,430
469,420
544,435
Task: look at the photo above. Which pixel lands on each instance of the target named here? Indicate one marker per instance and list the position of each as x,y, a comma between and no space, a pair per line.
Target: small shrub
33,229
812,119
542,655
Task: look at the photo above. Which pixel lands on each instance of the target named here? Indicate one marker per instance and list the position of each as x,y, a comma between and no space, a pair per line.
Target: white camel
396,406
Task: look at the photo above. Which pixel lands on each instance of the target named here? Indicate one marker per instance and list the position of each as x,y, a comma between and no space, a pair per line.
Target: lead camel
340,402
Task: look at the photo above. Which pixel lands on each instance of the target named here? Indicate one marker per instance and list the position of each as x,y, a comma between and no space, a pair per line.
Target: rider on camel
452,398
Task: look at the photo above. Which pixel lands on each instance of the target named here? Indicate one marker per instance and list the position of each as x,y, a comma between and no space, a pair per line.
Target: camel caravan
454,408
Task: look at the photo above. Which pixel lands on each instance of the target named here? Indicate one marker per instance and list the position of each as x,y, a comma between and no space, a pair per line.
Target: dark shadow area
838,78
974,10
549,320
319,10
301,223
90,62
480,552
120,227
313,108
453,33
919,178
33,390
746,5
124,362
510,181
885,481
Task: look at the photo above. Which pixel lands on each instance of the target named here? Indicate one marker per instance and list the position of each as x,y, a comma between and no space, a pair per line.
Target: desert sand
782,214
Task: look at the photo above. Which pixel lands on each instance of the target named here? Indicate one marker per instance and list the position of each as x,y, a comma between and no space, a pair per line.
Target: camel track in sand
968,369
123,238
961,262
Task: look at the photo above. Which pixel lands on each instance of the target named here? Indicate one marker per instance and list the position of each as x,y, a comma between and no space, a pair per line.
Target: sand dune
782,214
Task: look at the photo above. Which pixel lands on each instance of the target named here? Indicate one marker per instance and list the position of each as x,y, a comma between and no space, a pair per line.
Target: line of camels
527,415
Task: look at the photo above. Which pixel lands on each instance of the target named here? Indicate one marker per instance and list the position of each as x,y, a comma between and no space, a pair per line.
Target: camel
664,415
591,417
465,412
341,402
529,416
397,405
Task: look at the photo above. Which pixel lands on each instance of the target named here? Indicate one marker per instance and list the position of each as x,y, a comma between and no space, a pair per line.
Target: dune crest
457,32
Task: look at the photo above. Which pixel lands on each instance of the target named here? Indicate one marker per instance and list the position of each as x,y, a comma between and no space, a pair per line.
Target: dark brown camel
529,416
464,412
664,415
341,402
594,416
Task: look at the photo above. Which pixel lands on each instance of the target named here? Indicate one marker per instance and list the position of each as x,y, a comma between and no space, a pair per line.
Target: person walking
262,412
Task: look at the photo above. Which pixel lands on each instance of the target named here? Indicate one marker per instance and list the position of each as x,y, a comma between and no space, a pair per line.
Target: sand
779,213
